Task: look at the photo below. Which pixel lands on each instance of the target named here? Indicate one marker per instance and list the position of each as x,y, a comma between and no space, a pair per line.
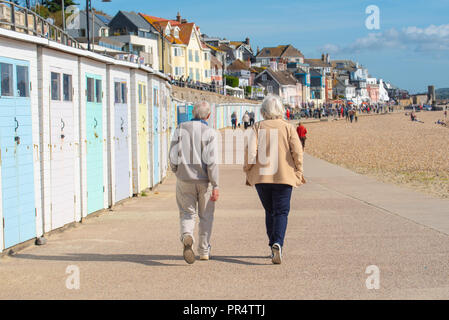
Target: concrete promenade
340,224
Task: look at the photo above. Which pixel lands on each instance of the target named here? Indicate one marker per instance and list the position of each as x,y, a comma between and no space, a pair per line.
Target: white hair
201,110
272,108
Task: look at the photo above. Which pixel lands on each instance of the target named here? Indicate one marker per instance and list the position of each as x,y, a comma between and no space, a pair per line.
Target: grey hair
272,108
201,110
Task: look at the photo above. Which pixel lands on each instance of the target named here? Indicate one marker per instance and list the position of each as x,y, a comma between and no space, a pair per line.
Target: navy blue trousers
275,199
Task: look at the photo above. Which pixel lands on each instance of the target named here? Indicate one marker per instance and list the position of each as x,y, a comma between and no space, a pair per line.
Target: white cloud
434,39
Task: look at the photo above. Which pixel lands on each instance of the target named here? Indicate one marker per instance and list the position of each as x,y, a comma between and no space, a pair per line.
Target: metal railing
20,19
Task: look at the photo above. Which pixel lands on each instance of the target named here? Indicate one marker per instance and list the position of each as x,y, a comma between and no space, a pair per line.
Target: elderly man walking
193,158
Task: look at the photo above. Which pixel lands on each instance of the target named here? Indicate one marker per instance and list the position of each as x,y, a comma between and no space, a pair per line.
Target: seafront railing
17,18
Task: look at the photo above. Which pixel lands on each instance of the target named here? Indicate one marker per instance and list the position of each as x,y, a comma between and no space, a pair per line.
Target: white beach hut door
62,149
121,144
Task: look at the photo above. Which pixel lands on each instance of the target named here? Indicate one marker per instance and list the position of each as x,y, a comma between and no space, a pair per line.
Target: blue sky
411,48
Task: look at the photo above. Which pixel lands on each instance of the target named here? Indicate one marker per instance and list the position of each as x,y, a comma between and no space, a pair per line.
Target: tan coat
281,165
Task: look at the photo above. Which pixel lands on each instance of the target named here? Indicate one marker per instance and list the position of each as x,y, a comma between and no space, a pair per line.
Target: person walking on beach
234,120
274,174
245,120
252,118
302,132
351,115
193,153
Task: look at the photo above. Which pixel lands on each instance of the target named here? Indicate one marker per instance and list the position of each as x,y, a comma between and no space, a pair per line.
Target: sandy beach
388,147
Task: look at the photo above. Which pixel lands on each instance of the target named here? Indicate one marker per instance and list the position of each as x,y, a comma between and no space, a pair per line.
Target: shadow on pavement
147,260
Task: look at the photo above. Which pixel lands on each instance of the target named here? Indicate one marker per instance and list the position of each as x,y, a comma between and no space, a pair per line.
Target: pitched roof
215,62
238,65
281,51
284,78
136,19
347,64
317,63
185,29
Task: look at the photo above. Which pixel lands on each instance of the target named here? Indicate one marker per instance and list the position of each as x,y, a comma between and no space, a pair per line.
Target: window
197,56
82,32
23,87
155,97
140,94
176,33
191,73
264,77
270,89
197,74
178,52
190,56
98,91
67,87
55,86
6,76
124,92
206,56
117,92
90,89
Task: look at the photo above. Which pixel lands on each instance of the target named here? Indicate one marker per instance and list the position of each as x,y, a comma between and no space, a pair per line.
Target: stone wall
192,95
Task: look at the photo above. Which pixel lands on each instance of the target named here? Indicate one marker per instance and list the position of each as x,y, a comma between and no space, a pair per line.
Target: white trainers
276,253
205,257
189,255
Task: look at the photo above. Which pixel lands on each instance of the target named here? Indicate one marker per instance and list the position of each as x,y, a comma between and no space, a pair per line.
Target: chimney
247,41
183,20
328,58
178,17
322,57
258,50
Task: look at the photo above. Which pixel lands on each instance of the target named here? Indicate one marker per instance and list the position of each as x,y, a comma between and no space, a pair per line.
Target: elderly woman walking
274,165
193,158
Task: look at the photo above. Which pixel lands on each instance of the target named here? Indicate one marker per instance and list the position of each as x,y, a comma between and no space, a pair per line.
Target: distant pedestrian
302,132
252,118
245,120
280,171
288,114
351,115
197,183
234,120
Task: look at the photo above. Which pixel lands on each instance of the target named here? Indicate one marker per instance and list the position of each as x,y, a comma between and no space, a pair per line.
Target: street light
89,8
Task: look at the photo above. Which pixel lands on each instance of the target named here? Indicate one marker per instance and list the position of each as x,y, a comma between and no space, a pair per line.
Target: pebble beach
388,147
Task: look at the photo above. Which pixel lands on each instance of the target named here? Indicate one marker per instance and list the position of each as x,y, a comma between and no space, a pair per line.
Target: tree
56,5
232,81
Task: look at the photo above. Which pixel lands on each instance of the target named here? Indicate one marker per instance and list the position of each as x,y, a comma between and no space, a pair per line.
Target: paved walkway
340,224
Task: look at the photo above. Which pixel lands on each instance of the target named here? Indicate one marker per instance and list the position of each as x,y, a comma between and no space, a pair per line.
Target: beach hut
20,206
156,131
94,169
119,133
60,161
140,130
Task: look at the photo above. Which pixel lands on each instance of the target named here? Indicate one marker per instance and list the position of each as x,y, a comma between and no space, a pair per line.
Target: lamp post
89,9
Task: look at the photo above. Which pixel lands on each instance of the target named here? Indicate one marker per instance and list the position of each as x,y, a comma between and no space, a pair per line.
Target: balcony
16,18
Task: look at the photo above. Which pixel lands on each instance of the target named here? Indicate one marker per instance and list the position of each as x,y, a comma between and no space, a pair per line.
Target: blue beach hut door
94,141
16,153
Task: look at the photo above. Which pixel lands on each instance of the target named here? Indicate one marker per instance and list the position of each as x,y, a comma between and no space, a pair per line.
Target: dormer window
167,31
176,33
